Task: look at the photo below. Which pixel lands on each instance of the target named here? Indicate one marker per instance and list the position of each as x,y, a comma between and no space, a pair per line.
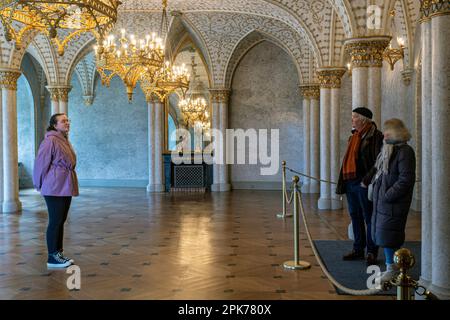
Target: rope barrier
322,265
310,177
402,257
317,179
291,196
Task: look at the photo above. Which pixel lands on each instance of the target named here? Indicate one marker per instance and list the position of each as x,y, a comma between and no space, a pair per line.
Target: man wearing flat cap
363,148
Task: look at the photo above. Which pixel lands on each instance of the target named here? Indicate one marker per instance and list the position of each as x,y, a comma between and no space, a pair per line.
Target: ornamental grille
189,177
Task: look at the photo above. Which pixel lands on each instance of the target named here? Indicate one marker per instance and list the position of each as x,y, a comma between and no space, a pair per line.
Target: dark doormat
353,274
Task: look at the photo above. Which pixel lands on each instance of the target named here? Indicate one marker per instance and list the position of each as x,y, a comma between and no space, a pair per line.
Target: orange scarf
349,164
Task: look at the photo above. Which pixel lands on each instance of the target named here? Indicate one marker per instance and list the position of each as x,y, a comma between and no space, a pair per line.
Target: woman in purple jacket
55,177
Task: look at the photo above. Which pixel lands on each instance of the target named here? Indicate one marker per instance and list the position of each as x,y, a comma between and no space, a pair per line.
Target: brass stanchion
404,259
297,264
283,190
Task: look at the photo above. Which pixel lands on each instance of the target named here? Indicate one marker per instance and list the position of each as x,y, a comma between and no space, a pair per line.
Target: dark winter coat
369,149
392,196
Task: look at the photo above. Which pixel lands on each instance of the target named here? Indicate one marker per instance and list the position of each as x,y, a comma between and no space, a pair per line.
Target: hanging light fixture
61,20
194,108
396,49
166,80
169,78
129,58
141,61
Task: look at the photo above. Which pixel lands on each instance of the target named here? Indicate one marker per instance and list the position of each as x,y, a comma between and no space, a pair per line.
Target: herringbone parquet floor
131,245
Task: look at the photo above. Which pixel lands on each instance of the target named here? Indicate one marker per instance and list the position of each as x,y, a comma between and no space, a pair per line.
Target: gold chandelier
129,58
50,16
392,54
141,61
194,108
166,80
195,111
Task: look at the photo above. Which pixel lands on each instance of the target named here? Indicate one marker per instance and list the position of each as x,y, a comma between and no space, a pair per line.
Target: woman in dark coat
392,191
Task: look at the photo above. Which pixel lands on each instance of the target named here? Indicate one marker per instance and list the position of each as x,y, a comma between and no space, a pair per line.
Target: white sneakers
391,271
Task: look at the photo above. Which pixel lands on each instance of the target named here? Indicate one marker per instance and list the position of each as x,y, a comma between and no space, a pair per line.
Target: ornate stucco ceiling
310,31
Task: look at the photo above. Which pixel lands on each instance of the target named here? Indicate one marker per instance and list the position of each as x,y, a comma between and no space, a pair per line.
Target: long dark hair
53,121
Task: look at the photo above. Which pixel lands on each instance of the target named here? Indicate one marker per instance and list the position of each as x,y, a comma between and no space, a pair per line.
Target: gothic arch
249,41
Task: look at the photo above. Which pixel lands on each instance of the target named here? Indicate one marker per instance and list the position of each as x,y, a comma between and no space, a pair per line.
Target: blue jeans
360,209
389,254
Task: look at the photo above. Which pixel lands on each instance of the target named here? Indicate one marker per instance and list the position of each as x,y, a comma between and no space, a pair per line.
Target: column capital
310,90
431,8
220,95
59,93
152,98
8,78
367,51
330,77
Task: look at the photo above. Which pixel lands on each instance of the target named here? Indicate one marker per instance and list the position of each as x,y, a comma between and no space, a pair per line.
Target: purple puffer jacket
54,169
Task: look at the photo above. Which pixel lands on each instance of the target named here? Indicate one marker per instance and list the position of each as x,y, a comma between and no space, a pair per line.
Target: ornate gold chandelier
141,61
194,108
166,80
129,58
392,54
51,16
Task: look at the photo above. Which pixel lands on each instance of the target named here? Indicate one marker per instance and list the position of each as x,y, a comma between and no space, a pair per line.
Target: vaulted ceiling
312,32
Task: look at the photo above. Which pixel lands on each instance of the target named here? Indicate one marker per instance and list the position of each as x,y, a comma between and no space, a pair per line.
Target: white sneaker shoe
391,272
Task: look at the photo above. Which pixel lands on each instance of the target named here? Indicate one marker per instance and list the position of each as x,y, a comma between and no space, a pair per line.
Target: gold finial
392,13
295,179
283,163
404,259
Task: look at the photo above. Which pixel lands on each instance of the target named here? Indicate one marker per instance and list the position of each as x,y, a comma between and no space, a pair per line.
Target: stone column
359,87
417,197
334,76
440,119
330,83
64,99
324,202
8,83
159,138
367,53
215,124
427,250
220,97
54,99
1,151
306,137
315,136
151,145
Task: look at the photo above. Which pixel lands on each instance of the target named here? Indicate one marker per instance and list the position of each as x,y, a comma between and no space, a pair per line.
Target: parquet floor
131,245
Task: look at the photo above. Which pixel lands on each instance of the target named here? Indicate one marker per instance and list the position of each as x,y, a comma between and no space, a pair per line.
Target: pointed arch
245,44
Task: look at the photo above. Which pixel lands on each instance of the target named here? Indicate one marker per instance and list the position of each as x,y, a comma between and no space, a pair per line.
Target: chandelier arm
97,24
19,36
60,45
44,17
